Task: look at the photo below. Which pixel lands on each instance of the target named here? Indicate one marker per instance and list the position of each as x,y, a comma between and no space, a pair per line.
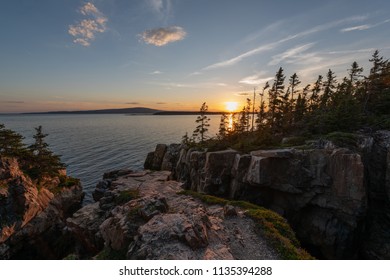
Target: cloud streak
256,79
364,26
84,32
272,45
162,36
296,55
12,102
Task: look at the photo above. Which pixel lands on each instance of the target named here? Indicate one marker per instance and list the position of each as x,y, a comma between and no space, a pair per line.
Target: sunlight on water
230,122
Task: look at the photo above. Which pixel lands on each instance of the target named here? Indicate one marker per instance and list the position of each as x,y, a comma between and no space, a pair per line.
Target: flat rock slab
185,228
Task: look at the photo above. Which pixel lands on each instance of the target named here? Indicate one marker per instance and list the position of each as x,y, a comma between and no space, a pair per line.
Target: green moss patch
343,139
126,196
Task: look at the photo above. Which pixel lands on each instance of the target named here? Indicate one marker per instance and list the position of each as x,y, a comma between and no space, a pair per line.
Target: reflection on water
230,121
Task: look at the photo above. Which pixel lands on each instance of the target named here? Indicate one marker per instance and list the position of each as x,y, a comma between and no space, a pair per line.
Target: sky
175,54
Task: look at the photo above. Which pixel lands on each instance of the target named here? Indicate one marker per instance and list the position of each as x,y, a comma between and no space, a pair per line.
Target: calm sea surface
93,144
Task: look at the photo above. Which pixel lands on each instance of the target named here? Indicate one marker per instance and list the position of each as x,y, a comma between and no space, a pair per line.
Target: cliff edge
147,216
336,197
32,214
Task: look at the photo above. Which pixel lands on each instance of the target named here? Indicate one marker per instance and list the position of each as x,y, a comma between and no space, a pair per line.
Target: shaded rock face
377,162
32,219
337,200
159,223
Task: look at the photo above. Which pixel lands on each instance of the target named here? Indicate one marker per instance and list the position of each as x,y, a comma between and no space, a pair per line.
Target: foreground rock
336,199
32,218
144,216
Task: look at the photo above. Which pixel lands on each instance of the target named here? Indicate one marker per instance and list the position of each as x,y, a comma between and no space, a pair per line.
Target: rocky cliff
32,216
337,199
147,216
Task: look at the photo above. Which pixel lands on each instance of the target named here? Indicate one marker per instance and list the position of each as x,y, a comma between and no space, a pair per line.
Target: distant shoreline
126,111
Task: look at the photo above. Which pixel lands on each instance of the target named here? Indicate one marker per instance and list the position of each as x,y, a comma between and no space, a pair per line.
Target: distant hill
129,111
135,110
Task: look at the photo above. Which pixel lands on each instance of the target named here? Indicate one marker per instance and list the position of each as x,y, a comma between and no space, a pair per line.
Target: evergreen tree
44,160
355,73
294,83
261,115
376,97
203,123
329,88
276,91
241,124
11,143
223,126
185,139
315,96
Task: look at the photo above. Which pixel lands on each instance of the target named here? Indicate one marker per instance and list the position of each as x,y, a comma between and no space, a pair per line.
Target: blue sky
175,54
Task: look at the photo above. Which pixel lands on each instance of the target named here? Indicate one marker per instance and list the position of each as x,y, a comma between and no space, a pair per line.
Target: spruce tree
275,93
294,83
44,160
261,115
315,94
11,143
329,88
377,95
203,123
223,126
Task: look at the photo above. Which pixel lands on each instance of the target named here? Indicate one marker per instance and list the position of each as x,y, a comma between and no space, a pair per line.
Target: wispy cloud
170,85
161,103
12,102
163,36
132,103
359,27
86,30
157,72
162,8
196,73
270,46
256,79
240,57
242,93
294,55
364,26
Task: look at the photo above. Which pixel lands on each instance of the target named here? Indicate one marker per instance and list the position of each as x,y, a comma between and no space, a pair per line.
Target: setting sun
231,106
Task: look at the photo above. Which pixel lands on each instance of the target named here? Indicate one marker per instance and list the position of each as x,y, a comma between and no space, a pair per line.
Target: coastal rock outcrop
32,217
151,217
336,199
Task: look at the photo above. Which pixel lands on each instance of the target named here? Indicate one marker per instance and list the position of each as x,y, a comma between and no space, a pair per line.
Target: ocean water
93,144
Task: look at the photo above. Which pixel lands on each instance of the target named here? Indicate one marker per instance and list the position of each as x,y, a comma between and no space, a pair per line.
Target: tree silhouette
203,123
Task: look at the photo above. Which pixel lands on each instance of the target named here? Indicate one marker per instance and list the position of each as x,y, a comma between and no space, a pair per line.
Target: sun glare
231,106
